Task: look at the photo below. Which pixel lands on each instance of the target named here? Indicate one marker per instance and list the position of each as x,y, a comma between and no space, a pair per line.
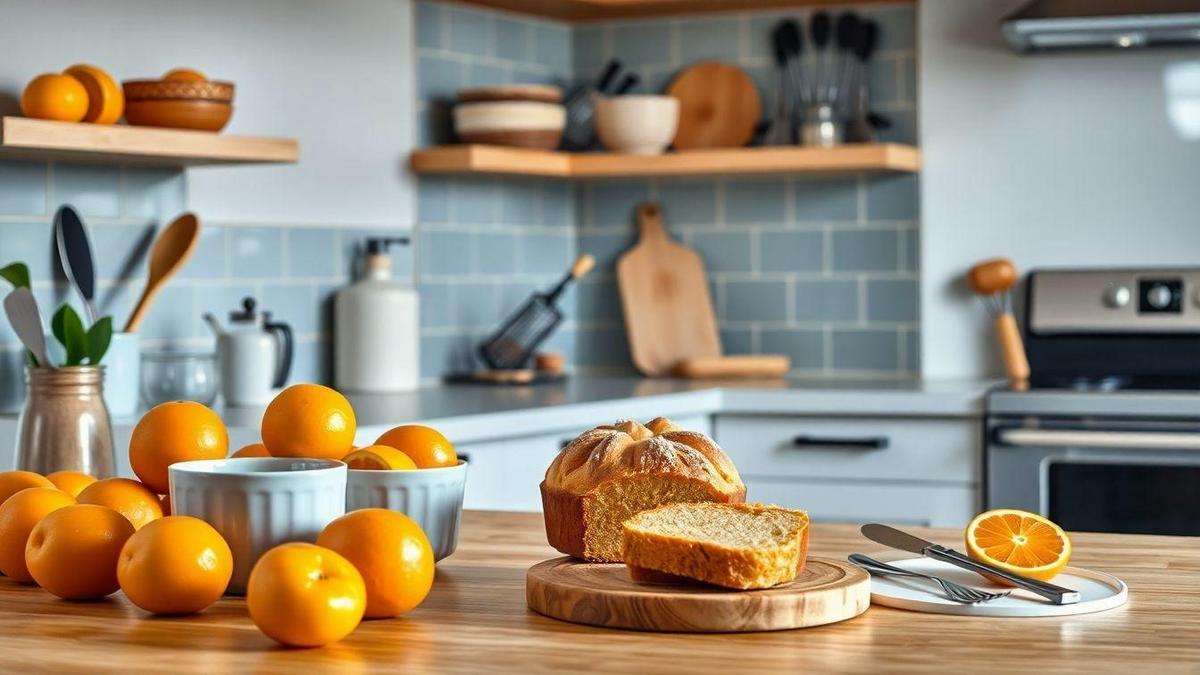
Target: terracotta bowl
179,114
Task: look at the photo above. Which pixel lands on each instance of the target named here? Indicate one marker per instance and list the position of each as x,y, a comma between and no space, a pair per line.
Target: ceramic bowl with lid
259,503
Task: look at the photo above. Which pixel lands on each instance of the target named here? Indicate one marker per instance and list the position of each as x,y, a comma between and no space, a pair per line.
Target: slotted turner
529,326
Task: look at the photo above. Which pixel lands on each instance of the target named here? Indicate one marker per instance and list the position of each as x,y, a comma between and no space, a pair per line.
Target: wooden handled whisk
993,280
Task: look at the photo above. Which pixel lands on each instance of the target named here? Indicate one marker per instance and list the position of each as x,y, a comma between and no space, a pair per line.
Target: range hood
1045,25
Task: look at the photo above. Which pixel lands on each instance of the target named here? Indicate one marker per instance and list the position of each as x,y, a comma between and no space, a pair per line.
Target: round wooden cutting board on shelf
600,594
719,106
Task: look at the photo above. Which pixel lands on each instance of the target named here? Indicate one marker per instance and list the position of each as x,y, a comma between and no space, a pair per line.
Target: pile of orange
81,538
81,93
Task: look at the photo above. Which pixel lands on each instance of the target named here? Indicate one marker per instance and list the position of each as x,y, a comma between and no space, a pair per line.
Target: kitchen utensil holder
821,126
65,425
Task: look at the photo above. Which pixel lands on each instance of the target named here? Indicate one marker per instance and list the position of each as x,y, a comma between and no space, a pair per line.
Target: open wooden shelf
33,139
499,160
601,10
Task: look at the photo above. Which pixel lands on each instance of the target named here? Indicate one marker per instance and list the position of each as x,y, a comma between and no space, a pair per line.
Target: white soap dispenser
377,328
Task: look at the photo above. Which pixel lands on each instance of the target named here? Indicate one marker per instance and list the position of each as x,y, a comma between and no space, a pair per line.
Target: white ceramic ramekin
259,503
432,497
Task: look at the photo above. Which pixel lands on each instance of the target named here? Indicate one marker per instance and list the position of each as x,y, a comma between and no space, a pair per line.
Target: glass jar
178,376
64,425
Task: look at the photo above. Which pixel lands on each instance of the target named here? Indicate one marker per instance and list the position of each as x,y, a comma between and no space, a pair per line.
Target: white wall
336,75
1062,160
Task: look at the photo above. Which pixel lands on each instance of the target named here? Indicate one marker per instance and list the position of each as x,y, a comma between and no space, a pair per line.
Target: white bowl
639,125
527,124
257,503
432,497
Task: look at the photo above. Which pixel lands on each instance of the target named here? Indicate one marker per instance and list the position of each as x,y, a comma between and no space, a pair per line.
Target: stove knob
1159,296
1117,296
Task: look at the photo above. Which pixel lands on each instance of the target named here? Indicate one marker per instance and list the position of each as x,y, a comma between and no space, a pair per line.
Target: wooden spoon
172,248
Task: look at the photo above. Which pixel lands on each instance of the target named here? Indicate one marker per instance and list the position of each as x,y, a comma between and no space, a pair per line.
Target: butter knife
893,538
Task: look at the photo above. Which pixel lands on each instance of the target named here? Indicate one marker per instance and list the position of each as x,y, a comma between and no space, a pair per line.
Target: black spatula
75,256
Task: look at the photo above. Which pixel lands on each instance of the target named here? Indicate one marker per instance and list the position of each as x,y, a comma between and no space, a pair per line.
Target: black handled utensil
819,27
75,256
519,336
630,81
893,538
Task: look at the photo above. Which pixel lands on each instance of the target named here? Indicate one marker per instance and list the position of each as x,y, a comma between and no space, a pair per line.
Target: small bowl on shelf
201,105
637,124
431,497
258,503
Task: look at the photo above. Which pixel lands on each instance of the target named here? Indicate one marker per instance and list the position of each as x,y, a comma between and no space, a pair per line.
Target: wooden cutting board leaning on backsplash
668,310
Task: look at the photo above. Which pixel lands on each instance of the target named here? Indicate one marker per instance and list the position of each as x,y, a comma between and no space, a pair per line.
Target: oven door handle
1121,440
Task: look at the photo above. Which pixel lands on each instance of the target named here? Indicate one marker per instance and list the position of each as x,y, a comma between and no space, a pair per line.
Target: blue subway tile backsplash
824,271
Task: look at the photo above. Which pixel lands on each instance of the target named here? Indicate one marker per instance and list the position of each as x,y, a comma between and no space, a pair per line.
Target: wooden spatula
664,294
172,248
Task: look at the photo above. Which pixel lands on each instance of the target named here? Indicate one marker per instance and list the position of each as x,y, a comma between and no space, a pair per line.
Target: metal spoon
75,256
26,320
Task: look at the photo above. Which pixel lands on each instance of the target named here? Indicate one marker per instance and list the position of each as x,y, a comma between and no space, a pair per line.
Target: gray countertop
473,412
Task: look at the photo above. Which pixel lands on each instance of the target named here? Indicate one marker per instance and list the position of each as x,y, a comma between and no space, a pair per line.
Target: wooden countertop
475,620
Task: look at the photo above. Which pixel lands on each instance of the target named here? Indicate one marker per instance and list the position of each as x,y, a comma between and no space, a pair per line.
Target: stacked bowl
519,115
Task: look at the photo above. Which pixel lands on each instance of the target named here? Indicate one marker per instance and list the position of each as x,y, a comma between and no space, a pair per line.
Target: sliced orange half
378,458
1019,542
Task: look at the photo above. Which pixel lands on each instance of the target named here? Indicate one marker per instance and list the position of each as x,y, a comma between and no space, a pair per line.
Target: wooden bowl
178,114
542,93
189,90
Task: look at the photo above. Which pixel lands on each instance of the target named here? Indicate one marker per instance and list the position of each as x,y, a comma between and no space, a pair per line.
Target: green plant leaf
98,338
16,274
68,329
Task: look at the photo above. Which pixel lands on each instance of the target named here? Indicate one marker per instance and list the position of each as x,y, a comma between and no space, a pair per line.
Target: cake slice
740,546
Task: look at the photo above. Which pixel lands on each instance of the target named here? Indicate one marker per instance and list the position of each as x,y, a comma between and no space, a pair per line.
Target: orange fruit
52,96
392,553
427,447
184,74
308,420
304,595
252,450
71,482
106,100
175,565
126,496
12,482
18,516
378,457
73,552
1020,542
176,431
165,502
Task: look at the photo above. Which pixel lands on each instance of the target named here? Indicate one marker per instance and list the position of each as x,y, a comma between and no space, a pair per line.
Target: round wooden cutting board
719,106
598,594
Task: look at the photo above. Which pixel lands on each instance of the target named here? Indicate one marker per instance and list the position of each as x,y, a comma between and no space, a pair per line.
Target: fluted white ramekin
432,497
258,503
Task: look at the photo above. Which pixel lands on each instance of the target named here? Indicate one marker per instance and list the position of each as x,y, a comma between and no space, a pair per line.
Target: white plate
1097,591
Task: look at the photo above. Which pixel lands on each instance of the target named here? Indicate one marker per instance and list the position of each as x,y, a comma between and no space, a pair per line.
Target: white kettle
254,355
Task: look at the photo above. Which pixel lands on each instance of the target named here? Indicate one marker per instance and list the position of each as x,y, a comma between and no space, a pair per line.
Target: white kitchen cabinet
915,470
504,474
930,505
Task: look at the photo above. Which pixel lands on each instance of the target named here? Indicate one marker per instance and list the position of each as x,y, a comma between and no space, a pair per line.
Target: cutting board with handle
603,594
665,299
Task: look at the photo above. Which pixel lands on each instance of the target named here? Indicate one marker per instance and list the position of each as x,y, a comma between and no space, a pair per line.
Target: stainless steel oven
1106,435
1098,475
